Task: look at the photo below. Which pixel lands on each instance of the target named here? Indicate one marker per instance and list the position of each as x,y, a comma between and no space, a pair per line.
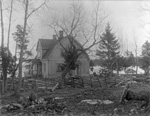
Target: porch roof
35,61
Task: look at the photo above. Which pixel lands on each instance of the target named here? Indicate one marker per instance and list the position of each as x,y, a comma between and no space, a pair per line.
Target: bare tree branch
34,10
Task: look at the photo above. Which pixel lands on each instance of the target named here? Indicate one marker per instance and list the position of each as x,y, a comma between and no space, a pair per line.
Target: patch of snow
58,98
131,82
92,102
96,69
107,102
140,70
96,101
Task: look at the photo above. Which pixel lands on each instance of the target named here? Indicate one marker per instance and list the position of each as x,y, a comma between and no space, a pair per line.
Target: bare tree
26,17
2,43
9,26
136,54
73,27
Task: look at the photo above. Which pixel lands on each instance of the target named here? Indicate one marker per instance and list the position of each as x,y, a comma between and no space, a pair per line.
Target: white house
49,60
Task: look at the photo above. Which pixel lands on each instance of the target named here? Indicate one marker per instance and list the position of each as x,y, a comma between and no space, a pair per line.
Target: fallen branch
53,89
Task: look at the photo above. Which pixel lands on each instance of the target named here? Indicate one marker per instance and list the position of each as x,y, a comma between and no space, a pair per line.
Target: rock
141,96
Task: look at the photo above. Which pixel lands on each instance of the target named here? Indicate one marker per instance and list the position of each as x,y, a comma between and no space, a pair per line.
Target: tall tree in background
22,41
4,67
18,37
5,51
145,59
10,20
8,61
27,14
26,2
136,53
108,48
129,59
118,63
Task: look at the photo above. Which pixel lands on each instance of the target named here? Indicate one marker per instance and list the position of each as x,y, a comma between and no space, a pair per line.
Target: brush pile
49,105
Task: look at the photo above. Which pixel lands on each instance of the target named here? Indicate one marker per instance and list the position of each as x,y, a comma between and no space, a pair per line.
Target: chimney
60,34
54,37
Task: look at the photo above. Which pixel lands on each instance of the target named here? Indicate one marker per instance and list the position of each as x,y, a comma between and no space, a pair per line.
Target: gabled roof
46,43
49,44
34,60
51,47
55,43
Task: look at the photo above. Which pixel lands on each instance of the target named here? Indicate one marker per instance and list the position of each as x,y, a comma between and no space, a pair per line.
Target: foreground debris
63,102
33,105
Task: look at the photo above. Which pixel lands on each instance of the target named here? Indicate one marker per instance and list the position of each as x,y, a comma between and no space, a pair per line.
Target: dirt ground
72,98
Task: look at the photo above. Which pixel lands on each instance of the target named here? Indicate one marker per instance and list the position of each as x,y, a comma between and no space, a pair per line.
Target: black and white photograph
74,58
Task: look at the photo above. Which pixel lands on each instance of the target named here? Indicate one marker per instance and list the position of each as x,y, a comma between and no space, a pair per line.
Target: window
60,67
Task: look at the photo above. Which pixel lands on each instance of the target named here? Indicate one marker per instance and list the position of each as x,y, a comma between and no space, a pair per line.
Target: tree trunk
2,49
5,78
123,93
9,27
117,68
117,72
13,76
91,82
63,79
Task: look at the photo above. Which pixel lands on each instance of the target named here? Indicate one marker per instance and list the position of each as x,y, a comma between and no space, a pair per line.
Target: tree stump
124,92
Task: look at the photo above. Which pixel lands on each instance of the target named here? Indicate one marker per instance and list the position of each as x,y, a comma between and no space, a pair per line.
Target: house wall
37,69
55,59
39,51
45,68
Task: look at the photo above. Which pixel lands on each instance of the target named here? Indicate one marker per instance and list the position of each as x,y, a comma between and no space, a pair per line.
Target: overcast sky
128,21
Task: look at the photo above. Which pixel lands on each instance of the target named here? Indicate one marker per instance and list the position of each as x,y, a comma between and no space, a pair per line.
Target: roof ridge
44,39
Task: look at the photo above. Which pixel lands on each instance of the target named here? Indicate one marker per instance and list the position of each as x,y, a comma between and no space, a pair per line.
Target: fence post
2,86
3,89
45,83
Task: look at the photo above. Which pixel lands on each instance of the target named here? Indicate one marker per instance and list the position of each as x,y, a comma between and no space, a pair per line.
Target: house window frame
60,67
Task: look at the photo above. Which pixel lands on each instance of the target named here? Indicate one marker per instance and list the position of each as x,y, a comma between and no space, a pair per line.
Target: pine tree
145,59
18,37
108,48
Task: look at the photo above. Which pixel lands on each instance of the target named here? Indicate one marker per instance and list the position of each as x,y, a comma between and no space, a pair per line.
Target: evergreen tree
129,59
7,65
108,48
146,49
145,59
18,37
